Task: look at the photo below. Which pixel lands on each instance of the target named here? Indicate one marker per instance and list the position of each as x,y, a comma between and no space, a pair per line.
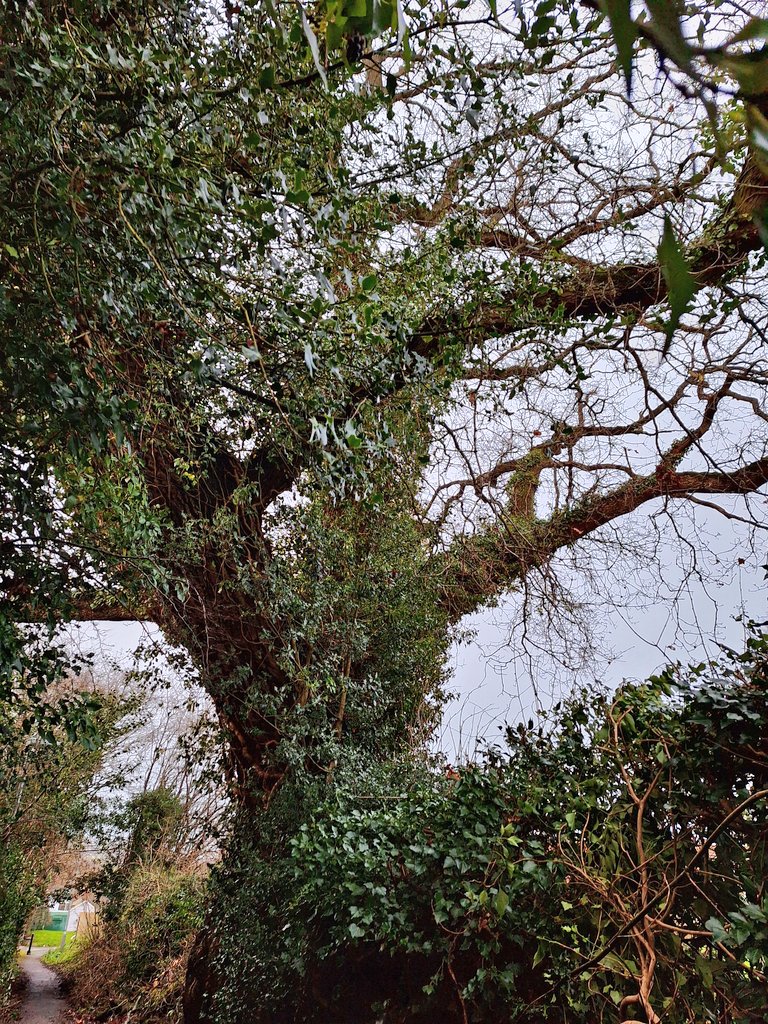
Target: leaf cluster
533,885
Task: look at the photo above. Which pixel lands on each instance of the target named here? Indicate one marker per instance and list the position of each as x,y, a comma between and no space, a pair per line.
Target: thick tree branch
481,568
598,290
93,607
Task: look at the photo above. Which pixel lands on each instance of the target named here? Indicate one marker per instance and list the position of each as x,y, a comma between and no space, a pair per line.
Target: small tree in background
47,768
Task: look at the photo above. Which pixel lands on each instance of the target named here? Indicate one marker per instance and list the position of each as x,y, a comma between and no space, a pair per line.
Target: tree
48,763
311,357
168,743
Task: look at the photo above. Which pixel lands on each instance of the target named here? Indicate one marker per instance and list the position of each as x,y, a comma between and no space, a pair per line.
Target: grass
46,937
70,951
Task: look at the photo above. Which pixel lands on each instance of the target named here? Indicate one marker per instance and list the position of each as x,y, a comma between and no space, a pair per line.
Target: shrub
161,907
137,961
608,867
18,894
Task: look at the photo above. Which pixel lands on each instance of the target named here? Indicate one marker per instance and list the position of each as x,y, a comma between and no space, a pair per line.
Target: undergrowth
512,889
11,1005
73,948
134,966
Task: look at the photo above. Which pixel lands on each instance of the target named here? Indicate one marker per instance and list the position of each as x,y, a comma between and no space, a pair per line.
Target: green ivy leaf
750,71
666,29
501,902
756,28
267,77
624,34
680,281
314,49
704,970
719,934
757,125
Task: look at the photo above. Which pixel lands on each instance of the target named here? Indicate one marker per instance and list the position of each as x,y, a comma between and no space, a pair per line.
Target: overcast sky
663,614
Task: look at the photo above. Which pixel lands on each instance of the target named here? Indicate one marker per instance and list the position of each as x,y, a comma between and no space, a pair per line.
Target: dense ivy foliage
18,894
257,262
244,278
611,866
185,246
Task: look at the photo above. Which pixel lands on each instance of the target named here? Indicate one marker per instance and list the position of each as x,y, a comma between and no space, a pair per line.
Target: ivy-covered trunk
304,378
349,692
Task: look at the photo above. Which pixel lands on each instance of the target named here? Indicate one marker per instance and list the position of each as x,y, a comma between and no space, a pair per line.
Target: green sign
58,920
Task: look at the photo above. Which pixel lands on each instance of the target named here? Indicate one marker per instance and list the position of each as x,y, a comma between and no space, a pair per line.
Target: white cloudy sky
659,613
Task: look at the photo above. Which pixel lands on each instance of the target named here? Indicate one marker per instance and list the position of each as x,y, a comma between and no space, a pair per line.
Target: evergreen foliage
607,867
321,329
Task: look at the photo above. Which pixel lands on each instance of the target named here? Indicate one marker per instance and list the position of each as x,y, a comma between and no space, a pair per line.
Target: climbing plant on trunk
323,329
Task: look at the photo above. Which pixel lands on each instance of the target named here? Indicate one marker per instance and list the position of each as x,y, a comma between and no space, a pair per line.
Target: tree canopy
321,328
434,292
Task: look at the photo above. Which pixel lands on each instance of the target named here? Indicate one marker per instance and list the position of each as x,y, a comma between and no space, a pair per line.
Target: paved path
43,1003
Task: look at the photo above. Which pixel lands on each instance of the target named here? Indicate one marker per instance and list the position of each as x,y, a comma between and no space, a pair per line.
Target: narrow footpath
43,1003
